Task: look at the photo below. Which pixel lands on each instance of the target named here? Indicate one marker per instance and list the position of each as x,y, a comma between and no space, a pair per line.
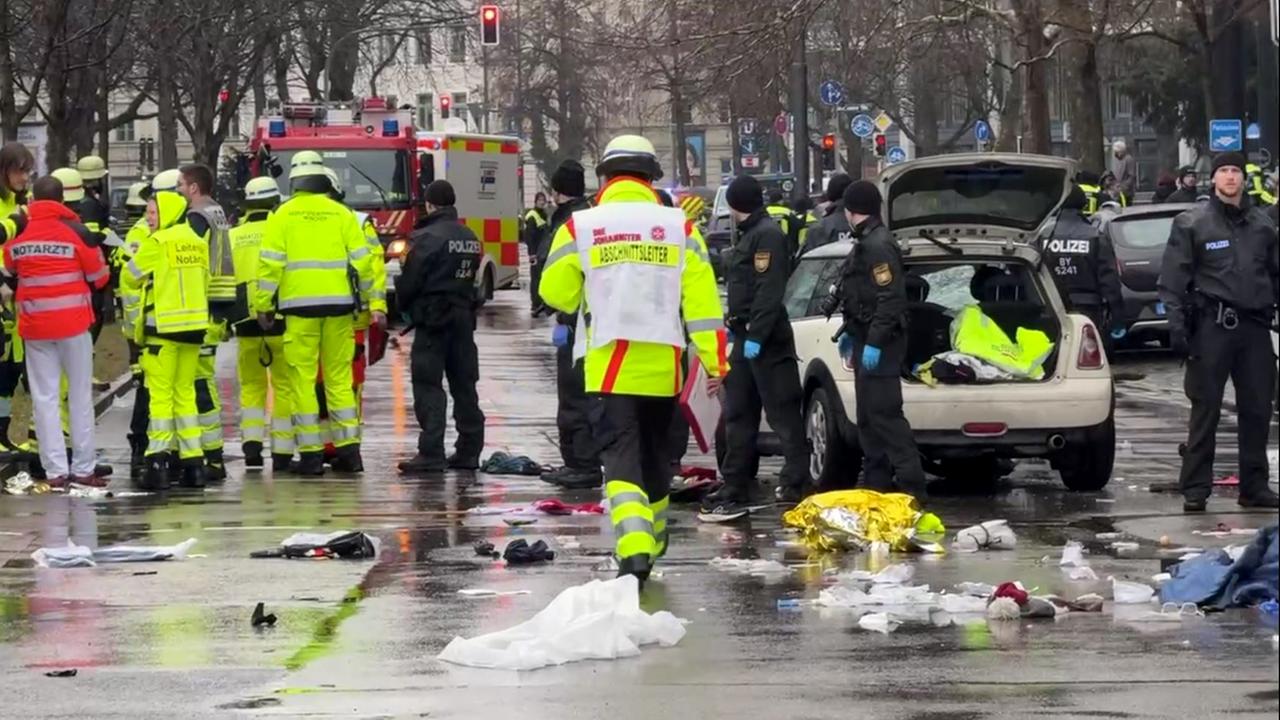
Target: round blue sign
831,92
981,131
862,125
896,155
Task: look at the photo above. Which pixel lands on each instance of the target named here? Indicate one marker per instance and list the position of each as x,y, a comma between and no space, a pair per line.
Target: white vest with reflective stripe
632,255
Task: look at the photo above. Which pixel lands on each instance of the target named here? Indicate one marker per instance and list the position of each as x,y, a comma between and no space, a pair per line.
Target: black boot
311,464
193,473
420,465
173,468
1261,499
216,469
252,454
280,463
458,461
581,479
137,456
348,460
155,475
6,445
637,565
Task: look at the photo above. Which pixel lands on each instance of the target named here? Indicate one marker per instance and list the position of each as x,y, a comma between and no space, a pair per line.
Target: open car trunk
1007,291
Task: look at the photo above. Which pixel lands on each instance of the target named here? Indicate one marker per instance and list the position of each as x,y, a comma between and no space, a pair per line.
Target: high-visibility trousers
208,404
263,370
170,370
310,343
358,368
637,469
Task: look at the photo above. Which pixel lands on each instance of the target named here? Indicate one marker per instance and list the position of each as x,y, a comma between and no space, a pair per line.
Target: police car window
1142,232
809,283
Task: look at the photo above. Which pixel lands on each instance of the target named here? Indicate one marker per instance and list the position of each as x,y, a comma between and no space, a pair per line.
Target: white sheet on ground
600,620
79,556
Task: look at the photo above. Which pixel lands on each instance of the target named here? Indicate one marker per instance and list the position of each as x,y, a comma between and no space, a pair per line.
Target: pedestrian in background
1165,187
54,269
762,366
1125,168
1188,190
834,226
438,288
1219,280
535,226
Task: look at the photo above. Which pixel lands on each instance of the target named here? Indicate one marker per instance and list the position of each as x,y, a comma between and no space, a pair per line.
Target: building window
460,109
458,45
389,49
424,47
126,132
426,112
1119,104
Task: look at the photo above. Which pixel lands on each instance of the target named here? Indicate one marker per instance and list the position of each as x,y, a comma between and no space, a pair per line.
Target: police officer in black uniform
578,447
762,367
438,286
873,293
834,226
1219,281
1084,268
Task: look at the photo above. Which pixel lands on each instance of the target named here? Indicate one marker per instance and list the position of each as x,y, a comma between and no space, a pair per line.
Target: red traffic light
490,18
446,102
829,142
882,144
224,95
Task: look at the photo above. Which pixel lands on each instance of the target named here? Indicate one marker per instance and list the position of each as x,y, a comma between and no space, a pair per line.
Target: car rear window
1142,232
1019,197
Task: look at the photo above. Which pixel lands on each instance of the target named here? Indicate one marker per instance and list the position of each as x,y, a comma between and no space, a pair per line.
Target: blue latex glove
845,346
1119,333
405,317
751,349
560,335
870,357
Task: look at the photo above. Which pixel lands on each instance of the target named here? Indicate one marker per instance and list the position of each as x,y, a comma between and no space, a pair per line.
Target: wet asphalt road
358,639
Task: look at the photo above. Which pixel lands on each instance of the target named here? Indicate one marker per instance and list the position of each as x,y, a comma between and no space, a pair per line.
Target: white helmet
261,190
72,184
166,180
630,154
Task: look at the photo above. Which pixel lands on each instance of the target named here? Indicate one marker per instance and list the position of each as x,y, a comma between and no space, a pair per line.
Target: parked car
967,225
1138,234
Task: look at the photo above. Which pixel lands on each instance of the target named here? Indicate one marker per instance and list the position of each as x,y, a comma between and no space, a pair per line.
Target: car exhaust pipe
1057,441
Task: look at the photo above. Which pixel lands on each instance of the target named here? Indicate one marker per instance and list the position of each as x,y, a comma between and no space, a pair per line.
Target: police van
969,227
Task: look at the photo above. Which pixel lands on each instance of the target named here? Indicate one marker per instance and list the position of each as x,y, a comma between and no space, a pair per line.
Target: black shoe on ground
155,476
173,467
137,457
1264,499
252,454
347,460
215,467
281,463
789,495
420,465
555,476
194,474
311,464
103,470
1194,506
637,565
723,509
581,479
463,462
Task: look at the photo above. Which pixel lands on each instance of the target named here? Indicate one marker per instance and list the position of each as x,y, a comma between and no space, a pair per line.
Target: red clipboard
701,410
377,344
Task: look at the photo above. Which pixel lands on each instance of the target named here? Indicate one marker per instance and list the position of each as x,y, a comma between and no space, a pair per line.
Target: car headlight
396,248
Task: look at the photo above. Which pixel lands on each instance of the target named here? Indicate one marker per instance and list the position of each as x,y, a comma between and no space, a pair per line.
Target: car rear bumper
1042,442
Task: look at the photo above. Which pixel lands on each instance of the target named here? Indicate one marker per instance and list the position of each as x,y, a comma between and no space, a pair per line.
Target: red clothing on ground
54,265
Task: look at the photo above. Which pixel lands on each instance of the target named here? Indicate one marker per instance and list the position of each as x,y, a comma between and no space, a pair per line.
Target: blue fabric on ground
1213,580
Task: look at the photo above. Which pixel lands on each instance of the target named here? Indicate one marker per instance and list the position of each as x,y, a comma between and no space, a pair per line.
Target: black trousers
633,432
1245,356
448,351
890,459
535,277
573,412
770,382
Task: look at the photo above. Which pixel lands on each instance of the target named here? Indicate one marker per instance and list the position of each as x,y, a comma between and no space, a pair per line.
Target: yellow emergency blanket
973,333
855,519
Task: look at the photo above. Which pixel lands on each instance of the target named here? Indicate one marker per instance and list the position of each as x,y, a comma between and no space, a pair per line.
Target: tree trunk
1036,133
104,121
1084,103
167,118
1011,114
1227,57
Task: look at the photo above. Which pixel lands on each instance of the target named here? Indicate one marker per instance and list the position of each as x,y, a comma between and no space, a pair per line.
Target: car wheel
486,290
1088,468
832,463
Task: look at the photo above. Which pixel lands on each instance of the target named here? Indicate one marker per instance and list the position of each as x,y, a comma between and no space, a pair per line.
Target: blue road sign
1253,132
748,145
1226,135
862,125
896,155
831,92
981,131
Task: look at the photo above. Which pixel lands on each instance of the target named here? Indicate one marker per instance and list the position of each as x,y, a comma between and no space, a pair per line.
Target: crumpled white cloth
600,620
79,556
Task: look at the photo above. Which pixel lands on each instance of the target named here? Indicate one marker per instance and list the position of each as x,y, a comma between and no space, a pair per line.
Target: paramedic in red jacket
55,267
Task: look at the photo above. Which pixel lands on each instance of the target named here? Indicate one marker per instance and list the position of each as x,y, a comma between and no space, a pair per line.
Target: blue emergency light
390,127
276,128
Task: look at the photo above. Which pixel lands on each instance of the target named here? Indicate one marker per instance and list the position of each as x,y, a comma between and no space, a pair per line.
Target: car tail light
984,429
1091,357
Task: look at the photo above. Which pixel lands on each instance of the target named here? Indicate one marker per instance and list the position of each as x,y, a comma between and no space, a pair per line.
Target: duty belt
1228,317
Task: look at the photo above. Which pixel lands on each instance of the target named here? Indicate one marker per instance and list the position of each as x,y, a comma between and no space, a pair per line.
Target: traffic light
829,152
490,19
882,145
446,102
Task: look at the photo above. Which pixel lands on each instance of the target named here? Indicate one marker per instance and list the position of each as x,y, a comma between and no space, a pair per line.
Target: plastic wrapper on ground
600,620
990,535
859,519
